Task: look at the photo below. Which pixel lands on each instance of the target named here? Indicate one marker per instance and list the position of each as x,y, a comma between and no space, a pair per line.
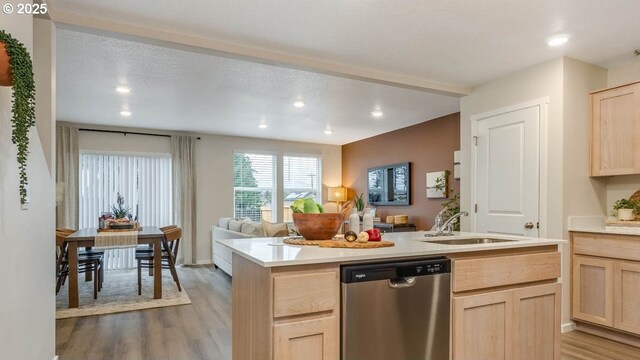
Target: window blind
301,179
143,181
254,186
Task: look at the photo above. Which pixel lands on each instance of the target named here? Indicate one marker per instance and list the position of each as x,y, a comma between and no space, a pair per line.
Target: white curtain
145,182
67,157
184,181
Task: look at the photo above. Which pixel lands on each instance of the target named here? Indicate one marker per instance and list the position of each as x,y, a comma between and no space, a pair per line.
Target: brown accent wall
429,146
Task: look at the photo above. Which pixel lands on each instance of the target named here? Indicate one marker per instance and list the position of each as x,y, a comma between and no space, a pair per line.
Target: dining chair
88,261
170,245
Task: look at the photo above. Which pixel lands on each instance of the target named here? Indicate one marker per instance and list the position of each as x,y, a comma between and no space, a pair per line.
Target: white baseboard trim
55,357
204,262
570,326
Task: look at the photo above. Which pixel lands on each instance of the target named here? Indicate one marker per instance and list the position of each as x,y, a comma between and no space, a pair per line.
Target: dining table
86,238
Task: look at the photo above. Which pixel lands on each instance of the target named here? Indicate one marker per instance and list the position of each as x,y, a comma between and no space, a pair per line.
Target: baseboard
570,326
55,357
204,262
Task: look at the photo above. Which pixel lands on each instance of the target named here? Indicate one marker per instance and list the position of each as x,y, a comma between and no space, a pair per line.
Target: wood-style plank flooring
202,330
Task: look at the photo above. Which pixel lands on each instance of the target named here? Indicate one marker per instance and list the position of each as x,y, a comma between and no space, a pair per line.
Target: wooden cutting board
632,223
339,243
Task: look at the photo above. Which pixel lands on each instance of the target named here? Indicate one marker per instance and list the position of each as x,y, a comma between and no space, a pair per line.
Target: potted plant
16,70
624,209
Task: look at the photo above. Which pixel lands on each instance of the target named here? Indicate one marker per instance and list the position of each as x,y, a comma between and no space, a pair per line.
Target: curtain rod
125,133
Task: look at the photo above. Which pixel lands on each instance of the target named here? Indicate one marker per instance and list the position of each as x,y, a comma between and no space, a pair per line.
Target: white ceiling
457,43
182,90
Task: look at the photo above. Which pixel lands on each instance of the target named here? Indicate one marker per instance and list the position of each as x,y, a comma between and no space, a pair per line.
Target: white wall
214,169
544,80
566,83
27,299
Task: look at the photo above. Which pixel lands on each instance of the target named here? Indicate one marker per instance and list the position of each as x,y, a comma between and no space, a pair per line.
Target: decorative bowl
318,226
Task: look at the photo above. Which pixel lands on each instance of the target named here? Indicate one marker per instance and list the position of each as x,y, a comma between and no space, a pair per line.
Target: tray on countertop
339,243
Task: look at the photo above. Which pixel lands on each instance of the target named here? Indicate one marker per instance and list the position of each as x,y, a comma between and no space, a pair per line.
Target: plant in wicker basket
20,72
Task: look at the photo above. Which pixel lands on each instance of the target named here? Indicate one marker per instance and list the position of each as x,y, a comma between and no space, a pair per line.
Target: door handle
528,225
404,282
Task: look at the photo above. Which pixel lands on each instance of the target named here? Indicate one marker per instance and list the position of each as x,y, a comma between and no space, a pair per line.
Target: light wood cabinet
606,284
521,323
593,290
626,294
312,339
615,131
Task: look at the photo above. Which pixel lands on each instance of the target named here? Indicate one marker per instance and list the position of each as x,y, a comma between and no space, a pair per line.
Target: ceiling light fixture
299,103
263,125
328,131
123,89
377,113
558,40
125,113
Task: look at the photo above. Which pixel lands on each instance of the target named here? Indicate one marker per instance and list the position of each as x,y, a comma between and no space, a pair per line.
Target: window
301,179
254,186
143,181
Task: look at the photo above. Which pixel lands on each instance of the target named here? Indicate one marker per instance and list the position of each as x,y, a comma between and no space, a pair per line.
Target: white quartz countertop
597,224
407,244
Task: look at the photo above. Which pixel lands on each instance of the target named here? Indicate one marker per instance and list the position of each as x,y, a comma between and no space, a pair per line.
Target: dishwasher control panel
390,271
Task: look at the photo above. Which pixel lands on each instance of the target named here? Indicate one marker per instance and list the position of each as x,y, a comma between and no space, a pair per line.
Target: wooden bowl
318,226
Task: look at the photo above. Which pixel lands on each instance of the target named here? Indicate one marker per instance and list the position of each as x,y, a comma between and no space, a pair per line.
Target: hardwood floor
202,330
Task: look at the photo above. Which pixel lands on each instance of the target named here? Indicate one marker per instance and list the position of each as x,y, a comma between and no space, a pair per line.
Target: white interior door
507,171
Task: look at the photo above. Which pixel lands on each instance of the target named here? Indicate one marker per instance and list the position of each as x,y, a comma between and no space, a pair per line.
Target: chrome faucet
448,225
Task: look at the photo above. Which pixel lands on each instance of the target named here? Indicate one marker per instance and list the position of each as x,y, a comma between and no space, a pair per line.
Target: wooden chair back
173,239
168,227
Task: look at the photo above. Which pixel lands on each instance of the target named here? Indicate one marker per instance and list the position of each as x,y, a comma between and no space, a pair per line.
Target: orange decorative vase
5,67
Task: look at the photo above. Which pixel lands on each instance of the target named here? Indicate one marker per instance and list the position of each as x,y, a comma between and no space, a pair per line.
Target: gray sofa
230,228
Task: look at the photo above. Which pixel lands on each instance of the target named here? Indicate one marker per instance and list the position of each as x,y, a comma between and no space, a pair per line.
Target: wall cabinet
606,280
615,131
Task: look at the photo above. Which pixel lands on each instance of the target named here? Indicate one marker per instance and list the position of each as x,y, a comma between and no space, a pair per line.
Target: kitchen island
505,296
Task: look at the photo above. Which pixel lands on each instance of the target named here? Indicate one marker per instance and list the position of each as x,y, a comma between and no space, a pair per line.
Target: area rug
119,294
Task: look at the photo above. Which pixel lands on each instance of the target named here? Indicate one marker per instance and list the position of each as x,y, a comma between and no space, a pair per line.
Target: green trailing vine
23,104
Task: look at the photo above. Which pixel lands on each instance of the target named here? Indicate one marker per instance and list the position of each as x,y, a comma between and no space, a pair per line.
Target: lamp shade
337,194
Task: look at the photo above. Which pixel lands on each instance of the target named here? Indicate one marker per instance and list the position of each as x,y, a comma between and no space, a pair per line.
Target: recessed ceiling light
263,126
557,40
125,113
299,103
328,131
377,113
123,89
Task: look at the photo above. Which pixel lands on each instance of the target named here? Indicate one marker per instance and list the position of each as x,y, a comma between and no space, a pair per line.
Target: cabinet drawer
607,245
480,273
305,293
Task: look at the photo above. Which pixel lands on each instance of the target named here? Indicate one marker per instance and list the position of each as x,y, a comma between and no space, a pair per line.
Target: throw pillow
235,225
224,223
252,228
274,230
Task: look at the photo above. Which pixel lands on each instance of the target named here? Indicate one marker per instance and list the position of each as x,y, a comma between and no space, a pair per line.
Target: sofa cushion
235,225
252,228
274,229
224,223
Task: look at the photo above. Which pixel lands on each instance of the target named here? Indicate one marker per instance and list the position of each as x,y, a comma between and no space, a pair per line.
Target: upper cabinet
615,131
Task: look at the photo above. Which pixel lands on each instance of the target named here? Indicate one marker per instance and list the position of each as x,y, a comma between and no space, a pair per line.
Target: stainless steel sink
473,241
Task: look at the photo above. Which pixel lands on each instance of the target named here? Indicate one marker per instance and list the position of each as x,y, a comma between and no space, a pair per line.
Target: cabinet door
626,296
593,290
482,326
313,339
615,131
536,324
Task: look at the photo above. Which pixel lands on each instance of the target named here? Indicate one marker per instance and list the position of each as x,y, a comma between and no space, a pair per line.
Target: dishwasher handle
403,282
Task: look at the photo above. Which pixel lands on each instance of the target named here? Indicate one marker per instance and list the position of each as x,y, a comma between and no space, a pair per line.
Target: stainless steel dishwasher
396,310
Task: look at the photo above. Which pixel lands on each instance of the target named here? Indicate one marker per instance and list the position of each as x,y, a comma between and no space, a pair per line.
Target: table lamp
338,195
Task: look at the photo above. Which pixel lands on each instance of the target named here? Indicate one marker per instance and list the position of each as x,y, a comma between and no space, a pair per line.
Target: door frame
543,104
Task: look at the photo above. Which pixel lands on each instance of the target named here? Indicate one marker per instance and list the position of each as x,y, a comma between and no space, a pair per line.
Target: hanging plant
19,72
